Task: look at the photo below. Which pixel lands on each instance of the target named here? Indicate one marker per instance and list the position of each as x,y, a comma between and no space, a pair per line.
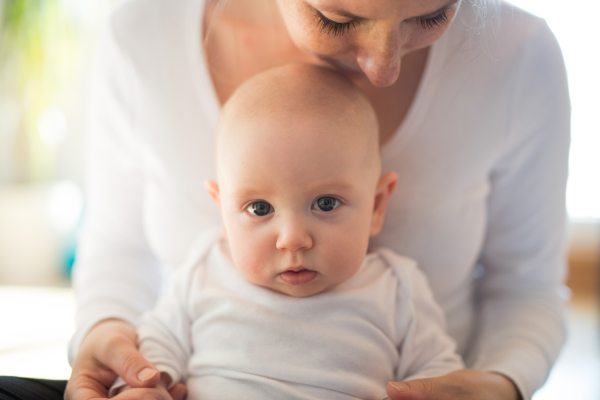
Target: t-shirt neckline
420,104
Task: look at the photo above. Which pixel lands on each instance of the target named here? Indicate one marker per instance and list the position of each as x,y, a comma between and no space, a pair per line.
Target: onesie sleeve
520,297
116,274
425,349
164,333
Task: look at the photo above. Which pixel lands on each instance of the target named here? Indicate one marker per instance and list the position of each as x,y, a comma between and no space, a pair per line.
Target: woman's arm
521,302
521,318
116,276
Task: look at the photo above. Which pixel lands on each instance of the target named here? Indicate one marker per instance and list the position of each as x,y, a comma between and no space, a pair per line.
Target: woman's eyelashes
339,28
332,27
259,208
434,21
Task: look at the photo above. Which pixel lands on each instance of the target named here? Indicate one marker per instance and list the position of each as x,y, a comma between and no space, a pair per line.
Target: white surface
576,374
36,326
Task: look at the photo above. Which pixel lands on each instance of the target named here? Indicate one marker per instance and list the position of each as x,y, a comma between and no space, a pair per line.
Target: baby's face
298,204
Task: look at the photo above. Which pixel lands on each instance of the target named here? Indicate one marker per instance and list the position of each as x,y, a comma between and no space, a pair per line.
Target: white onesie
226,338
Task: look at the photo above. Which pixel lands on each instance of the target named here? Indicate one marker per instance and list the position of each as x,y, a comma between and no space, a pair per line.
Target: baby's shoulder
408,277
198,257
401,266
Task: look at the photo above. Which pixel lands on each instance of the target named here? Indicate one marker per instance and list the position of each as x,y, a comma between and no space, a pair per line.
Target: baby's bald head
299,107
299,180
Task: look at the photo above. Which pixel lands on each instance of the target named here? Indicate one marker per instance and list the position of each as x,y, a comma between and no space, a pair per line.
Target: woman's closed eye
333,27
340,28
260,208
326,204
433,21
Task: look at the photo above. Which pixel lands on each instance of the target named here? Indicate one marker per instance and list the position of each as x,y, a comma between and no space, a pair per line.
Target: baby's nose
294,236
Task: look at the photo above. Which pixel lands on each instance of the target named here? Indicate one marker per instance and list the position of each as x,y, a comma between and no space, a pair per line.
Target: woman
474,118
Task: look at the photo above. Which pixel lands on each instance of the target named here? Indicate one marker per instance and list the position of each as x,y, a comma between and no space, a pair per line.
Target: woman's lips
298,277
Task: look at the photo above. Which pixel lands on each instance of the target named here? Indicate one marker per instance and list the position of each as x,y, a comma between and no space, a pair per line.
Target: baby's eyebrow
336,186
245,193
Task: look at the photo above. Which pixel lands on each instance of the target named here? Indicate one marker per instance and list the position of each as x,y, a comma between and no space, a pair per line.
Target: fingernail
182,395
399,386
146,374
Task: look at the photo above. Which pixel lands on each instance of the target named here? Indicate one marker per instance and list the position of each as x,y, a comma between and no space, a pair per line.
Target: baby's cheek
251,260
347,255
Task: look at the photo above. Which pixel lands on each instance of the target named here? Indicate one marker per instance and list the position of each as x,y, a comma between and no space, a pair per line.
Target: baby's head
299,179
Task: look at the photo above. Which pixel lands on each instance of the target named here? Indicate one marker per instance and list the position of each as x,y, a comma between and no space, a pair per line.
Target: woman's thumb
125,359
410,390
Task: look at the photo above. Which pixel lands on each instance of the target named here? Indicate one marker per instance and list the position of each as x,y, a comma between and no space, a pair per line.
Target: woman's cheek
422,37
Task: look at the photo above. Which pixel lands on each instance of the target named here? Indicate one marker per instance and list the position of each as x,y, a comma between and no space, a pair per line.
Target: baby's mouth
298,276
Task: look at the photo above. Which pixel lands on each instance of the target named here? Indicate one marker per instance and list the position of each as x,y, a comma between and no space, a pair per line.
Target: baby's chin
306,290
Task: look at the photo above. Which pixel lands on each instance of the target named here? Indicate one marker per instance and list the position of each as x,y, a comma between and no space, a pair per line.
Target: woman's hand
160,392
157,393
465,384
110,350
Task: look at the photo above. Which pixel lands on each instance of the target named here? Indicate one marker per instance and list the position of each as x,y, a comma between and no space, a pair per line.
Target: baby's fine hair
299,91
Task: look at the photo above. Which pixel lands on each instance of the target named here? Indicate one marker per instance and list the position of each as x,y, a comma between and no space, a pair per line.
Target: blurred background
45,49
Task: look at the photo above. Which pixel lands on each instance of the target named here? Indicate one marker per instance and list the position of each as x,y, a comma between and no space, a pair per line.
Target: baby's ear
213,190
385,188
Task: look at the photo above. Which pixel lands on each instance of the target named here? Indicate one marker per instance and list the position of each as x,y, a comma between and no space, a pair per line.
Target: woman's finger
120,354
466,384
158,393
178,392
88,379
108,350
424,389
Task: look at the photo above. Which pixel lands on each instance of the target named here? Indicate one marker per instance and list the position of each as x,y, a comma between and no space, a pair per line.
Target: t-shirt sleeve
425,348
520,325
116,274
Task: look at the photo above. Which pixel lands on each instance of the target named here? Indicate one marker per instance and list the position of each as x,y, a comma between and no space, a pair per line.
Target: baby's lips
297,277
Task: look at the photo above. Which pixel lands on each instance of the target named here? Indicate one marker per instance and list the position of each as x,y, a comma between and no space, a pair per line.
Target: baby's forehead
298,105
298,91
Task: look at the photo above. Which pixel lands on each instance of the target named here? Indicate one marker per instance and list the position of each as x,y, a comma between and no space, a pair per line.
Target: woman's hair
484,11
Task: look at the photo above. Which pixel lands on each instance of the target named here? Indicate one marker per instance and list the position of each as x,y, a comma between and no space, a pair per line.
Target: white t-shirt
226,338
481,158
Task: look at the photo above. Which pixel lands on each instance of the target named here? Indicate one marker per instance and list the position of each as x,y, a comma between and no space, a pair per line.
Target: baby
285,302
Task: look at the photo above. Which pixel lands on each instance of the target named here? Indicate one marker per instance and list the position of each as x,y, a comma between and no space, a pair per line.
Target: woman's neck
248,37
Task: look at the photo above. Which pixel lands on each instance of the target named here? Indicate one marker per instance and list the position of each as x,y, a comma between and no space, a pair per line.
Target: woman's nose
294,236
379,56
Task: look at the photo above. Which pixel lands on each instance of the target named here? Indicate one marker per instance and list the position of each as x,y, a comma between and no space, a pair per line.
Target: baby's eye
260,208
326,204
